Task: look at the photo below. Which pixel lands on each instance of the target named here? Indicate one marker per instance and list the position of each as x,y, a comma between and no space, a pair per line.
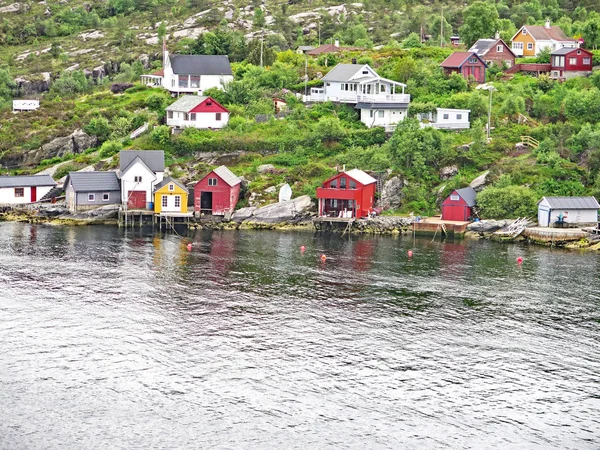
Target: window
499,48
352,185
559,61
212,181
19,192
183,81
472,60
171,187
365,72
458,116
333,184
587,61
370,113
137,179
186,116
169,114
164,201
192,116
178,201
343,183
91,197
572,61
383,89
579,52
194,81
446,116
454,198
524,32
517,45
105,197
218,116
209,103
381,113
173,82
530,46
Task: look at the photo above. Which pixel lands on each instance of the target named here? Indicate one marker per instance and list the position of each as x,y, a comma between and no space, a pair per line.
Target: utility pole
306,76
491,88
262,43
442,29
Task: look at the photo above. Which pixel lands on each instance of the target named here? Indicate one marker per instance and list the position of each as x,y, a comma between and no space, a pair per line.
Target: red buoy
409,253
323,257
519,259
189,247
302,248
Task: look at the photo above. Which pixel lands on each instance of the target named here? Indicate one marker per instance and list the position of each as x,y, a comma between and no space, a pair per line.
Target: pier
435,225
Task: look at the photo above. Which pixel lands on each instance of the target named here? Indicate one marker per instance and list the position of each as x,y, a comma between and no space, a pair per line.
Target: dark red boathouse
347,195
217,193
459,205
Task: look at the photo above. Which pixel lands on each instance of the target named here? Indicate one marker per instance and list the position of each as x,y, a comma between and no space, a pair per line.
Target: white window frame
105,197
572,60
178,201
171,187
587,60
454,197
212,182
499,48
459,117
137,179
530,46
165,201
446,116
381,113
91,197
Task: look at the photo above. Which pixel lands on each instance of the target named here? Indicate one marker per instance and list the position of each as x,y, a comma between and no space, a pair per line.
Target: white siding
203,120
149,180
569,215
7,195
390,117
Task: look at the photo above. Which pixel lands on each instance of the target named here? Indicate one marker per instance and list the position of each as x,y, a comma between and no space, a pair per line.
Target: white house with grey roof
190,74
197,112
140,171
22,189
91,190
557,211
381,102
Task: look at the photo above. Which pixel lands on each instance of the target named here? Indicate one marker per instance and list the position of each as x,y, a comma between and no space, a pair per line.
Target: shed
90,190
459,205
170,196
571,210
467,64
24,188
218,192
347,195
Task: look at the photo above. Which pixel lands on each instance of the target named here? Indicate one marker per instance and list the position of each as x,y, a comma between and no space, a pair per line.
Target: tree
412,41
481,20
7,85
506,202
404,69
162,31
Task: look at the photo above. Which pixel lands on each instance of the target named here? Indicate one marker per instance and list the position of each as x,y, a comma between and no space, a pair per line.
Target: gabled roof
168,180
227,176
457,59
483,46
541,33
154,159
343,72
186,103
201,64
571,202
93,181
360,176
26,181
468,194
567,50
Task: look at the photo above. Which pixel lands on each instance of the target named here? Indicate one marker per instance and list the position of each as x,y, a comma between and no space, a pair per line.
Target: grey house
90,190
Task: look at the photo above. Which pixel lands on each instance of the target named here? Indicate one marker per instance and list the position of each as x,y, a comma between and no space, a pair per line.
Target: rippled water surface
113,339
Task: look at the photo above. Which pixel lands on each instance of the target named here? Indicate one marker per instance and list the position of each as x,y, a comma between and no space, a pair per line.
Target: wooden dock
140,217
168,220
131,217
554,236
434,226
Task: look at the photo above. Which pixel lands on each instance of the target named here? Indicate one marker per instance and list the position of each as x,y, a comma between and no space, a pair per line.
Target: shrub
110,148
64,170
506,202
161,135
98,127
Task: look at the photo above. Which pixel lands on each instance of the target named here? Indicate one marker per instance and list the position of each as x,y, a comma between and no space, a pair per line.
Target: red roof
160,73
209,105
457,59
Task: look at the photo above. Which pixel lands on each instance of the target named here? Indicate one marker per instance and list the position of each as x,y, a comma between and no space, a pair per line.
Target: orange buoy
409,253
189,247
323,257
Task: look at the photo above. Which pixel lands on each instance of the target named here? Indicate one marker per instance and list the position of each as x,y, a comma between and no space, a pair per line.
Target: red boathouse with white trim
347,195
458,206
217,193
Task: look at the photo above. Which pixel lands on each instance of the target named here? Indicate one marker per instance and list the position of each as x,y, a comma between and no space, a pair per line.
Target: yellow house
530,40
170,196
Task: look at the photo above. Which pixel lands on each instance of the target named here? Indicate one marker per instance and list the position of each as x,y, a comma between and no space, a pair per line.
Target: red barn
217,193
348,194
459,205
570,62
466,64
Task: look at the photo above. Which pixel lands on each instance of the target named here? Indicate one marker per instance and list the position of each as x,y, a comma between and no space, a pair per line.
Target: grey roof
468,194
186,103
170,180
482,46
154,159
365,105
26,181
565,50
93,181
201,64
342,72
227,176
572,202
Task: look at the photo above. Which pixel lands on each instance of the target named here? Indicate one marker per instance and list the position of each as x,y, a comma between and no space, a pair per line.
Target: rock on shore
291,210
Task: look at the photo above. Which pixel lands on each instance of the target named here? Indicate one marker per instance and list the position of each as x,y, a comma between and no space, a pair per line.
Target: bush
98,127
110,148
506,202
161,135
64,170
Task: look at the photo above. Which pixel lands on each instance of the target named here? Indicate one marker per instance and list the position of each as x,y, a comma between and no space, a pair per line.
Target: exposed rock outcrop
391,193
480,182
448,172
292,210
33,85
487,226
77,142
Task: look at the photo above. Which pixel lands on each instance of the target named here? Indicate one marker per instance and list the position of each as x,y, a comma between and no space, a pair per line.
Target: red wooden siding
455,209
209,105
362,196
137,200
224,197
578,54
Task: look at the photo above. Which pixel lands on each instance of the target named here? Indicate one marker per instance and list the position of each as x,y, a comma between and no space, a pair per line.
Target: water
113,339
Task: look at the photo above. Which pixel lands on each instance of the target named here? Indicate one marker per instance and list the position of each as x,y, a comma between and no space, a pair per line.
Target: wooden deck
435,225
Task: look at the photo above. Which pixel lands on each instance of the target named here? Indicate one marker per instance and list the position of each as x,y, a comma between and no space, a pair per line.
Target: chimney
547,24
497,35
337,42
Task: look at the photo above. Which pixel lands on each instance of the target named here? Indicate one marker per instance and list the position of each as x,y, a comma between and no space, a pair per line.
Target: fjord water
125,339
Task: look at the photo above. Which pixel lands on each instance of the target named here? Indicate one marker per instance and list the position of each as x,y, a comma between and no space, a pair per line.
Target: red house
347,195
467,64
217,193
459,205
570,62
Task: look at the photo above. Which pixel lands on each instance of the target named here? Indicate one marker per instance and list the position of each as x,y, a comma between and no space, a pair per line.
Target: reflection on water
120,338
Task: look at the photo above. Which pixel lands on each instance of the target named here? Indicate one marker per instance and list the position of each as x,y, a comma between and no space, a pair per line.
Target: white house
385,115
570,210
197,112
25,105
446,119
190,74
140,171
24,188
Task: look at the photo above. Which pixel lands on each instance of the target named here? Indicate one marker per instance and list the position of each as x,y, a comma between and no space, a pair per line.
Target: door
136,200
206,201
33,194
171,203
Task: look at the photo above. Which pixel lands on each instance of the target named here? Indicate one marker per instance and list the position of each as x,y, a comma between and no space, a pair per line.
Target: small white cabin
555,211
446,119
25,105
